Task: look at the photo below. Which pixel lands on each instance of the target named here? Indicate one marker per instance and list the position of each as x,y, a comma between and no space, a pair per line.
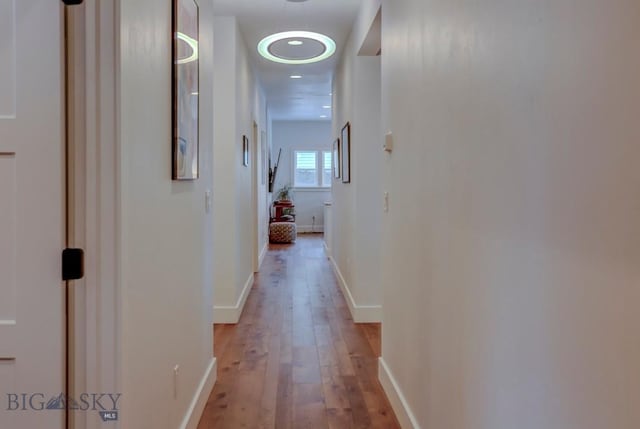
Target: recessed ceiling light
193,44
295,42
326,107
295,76
326,41
323,116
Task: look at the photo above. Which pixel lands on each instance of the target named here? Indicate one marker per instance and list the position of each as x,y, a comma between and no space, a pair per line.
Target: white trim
314,189
199,401
263,253
231,314
359,313
98,226
303,229
396,397
245,294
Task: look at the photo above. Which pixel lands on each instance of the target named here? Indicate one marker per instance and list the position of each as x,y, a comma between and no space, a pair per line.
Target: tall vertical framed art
263,154
245,151
185,86
336,158
345,153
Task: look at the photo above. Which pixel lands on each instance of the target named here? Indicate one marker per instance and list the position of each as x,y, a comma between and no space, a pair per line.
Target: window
327,172
312,169
306,174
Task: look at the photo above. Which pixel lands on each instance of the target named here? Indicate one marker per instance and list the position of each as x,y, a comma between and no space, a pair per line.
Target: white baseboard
326,249
263,253
304,229
359,313
199,401
396,397
231,314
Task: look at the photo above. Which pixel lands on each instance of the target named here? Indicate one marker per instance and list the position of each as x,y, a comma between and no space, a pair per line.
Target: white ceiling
293,99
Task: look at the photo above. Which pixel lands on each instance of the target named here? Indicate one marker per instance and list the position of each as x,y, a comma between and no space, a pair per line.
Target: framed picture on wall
345,153
245,151
263,153
336,158
184,94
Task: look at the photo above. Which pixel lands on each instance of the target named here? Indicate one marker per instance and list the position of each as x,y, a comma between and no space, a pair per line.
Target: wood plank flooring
296,359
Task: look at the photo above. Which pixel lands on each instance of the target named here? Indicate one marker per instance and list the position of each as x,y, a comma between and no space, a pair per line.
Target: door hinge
72,264
72,2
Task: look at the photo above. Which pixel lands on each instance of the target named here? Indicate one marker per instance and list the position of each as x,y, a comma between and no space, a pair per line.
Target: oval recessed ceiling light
323,116
326,41
193,44
295,76
326,107
295,42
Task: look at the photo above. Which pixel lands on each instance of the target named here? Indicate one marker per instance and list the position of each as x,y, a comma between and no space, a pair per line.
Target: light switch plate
388,142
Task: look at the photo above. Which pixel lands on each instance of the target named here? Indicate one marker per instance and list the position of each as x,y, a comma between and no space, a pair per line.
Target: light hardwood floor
296,359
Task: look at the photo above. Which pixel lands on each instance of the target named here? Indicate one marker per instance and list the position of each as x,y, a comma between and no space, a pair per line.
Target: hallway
296,359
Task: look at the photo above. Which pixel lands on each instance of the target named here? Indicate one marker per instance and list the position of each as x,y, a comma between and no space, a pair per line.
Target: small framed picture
263,154
345,152
336,158
245,151
185,82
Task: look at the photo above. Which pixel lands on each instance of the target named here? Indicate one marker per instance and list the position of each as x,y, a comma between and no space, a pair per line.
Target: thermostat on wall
388,142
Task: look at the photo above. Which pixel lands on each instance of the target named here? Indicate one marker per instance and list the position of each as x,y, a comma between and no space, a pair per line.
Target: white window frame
319,168
330,169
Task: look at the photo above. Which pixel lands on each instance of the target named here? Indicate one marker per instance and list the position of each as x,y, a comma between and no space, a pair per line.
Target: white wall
512,246
295,135
238,103
250,108
225,160
357,205
166,240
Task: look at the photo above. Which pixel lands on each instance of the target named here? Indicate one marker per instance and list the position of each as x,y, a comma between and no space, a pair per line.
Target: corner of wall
263,253
396,398
225,314
367,15
356,223
240,102
196,407
359,313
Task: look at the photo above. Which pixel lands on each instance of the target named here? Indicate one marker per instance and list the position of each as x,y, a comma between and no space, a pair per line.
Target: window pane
306,178
326,168
306,173
306,160
327,160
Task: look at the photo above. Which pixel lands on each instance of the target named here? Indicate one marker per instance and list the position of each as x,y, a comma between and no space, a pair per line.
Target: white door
32,213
